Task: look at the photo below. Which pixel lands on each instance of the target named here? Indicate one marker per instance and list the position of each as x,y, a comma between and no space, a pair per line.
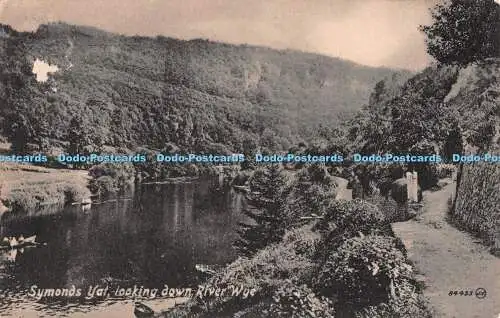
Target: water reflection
157,238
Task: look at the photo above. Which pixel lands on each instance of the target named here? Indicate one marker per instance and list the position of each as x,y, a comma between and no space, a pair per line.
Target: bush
428,176
104,185
302,240
267,271
290,300
345,219
364,271
242,177
111,178
409,303
445,170
75,193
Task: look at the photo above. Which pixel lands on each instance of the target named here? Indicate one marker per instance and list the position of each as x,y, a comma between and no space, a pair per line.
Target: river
151,239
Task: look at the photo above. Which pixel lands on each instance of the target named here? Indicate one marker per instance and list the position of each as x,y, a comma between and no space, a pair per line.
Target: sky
370,32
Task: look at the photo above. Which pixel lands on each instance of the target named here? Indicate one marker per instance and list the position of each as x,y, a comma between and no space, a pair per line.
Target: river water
152,239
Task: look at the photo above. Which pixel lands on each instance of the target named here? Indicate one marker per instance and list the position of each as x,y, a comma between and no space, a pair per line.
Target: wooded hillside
130,91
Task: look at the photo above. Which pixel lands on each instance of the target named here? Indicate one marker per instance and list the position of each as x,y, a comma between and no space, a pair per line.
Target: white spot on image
42,69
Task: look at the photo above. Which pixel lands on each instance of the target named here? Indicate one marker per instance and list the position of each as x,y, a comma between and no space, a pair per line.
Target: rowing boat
29,241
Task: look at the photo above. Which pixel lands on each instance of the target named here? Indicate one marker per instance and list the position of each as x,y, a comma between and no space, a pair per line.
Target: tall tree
464,31
20,133
266,202
311,192
78,135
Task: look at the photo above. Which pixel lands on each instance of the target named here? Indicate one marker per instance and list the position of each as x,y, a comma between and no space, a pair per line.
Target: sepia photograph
250,159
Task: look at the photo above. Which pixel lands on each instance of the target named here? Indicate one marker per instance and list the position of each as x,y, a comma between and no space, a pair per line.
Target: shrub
363,271
308,198
267,271
345,219
242,177
290,300
445,170
111,178
302,240
408,303
75,193
103,185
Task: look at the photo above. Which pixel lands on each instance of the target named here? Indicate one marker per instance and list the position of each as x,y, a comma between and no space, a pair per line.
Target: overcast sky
371,32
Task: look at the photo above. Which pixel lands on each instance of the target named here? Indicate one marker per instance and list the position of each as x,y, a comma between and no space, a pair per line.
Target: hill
157,92
432,110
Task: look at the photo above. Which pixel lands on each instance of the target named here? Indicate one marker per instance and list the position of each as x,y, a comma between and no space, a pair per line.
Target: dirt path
450,260
342,192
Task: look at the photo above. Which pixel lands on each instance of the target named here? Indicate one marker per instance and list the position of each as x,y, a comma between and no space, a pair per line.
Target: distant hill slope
133,91
432,111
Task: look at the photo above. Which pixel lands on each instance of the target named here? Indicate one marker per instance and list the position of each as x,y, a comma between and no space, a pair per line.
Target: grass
24,188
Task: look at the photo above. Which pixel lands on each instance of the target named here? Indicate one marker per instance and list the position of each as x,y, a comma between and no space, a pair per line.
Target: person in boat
13,241
21,238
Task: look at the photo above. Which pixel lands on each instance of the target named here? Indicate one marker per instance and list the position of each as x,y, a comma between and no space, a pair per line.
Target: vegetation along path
451,260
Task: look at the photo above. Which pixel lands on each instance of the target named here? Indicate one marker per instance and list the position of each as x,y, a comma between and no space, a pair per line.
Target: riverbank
24,188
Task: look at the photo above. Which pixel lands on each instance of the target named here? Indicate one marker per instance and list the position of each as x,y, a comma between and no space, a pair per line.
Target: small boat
143,311
206,269
241,189
20,243
30,239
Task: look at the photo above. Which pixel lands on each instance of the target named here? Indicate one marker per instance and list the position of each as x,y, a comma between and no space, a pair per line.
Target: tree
78,135
464,31
20,133
266,200
311,192
453,143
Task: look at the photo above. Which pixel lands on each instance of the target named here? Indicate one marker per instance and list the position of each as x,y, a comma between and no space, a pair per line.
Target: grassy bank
24,188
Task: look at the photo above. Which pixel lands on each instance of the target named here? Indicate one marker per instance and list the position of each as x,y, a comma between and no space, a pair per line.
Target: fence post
412,186
408,185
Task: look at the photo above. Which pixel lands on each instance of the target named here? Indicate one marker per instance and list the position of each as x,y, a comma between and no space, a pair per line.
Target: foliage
290,282
105,186
267,272
78,135
109,178
310,193
266,200
345,219
477,205
364,271
29,198
464,31
290,300
409,303
414,115
442,110
133,91
303,240
454,143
